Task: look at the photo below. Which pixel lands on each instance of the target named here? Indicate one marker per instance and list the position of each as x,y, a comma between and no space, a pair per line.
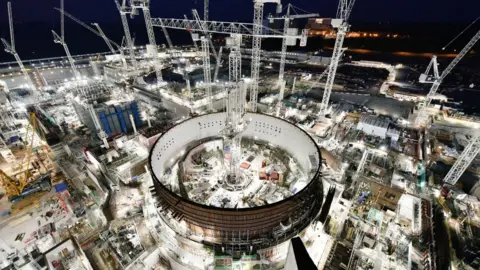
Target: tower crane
437,81
206,70
286,42
256,47
10,48
124,9
234,58
145,6
61,40
342,26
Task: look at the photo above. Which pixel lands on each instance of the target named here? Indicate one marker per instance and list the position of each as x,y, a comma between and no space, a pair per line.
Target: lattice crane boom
256,48
10,24
96,32
71,61
219,27
445,72
463,161
343,13
102,34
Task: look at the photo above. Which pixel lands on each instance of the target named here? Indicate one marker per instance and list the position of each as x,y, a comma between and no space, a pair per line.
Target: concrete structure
246,228
373,125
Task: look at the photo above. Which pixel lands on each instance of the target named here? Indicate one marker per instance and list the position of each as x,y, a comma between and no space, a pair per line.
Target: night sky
104,11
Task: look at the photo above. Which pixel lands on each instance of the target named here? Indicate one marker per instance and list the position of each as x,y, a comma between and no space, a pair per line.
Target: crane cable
461,33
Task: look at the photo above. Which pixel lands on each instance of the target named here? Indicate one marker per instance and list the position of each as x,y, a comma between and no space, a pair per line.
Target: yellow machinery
14,185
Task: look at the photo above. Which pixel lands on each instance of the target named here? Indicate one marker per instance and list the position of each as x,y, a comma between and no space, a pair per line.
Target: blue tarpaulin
14,139
61,187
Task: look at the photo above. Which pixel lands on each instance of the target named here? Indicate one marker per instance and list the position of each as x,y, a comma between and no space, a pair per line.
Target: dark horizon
241,10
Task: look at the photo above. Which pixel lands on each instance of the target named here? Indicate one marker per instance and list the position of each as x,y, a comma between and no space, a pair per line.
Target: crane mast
235,59
206,70
205,10
283,55
343,13
124,10
145,6
61,40
10,48
256,48
438,81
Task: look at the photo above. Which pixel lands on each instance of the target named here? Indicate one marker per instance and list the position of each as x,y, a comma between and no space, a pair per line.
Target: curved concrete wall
263,127
258,226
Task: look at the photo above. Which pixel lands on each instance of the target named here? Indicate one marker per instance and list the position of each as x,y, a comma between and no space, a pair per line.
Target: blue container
61,187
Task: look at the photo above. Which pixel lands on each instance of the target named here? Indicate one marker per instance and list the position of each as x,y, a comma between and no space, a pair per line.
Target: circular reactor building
274,193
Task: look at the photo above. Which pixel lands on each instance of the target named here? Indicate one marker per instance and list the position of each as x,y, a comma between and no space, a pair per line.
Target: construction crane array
437,81
124,9
61,40
10,48
144,5
342,26
256,48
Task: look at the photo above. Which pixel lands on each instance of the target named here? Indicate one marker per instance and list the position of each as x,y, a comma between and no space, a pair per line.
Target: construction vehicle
28,178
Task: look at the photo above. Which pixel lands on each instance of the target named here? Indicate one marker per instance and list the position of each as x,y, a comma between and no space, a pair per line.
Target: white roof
374,121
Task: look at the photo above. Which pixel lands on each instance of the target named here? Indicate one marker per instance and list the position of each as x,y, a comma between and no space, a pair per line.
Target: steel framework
437,82
10,48
124,10
145,6
462,163
206,71
343,13
235,59
246,29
